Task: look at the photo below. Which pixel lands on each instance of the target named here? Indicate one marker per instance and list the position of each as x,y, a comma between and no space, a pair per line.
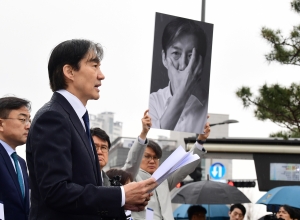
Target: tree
277,103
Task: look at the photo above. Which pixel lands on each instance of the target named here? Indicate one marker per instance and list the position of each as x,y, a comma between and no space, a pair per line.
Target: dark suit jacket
15,207
64,171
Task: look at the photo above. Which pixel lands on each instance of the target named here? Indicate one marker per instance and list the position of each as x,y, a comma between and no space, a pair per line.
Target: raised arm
136,152
181,173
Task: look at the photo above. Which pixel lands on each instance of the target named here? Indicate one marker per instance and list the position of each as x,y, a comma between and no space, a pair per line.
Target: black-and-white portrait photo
180,74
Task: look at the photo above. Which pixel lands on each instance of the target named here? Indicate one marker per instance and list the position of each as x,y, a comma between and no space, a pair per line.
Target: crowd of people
198,212
65,157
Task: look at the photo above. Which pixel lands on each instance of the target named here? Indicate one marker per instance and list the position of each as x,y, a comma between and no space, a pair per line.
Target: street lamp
189,142
224,122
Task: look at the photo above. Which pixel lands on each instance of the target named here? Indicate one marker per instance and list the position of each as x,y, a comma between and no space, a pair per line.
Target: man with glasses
102,144
14,126
149,154
237,212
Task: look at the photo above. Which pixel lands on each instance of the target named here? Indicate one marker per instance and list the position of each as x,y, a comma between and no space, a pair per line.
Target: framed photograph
181,61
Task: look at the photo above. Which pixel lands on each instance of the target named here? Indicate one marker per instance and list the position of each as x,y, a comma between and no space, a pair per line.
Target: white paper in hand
176,160
1,211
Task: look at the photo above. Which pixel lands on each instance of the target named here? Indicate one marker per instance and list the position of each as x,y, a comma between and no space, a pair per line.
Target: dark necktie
19,174
86,121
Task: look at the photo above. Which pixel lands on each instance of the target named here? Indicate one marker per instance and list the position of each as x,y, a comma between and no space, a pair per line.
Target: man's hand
146,125
188,78
206,132
137,194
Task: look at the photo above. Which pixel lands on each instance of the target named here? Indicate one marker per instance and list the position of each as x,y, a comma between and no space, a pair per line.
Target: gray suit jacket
160,202
105,179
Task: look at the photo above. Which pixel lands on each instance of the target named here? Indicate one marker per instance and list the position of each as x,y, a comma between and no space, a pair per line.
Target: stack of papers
176,160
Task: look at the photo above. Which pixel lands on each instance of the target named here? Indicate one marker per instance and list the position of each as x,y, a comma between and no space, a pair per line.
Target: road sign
217,170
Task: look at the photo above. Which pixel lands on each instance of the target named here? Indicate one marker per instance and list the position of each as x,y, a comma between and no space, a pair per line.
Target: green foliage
245,94
286,134
276,103
295,5
285,50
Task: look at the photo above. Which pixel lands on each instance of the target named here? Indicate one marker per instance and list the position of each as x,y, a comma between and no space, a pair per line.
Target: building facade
105,121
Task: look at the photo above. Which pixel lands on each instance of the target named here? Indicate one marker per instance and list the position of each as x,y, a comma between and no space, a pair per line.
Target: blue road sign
217,171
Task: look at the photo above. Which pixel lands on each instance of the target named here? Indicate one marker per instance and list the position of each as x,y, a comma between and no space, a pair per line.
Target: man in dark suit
62,161
14,127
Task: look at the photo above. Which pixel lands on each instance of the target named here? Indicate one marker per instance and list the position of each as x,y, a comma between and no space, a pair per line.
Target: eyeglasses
149,158
25,121
104,149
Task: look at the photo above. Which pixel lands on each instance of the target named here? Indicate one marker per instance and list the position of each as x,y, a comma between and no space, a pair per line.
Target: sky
31,29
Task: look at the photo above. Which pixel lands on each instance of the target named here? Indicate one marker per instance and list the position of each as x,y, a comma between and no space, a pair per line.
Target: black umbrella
209,192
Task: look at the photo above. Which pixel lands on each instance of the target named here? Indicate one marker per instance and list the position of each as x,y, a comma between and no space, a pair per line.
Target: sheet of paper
171,161
1,211
149,214
176,160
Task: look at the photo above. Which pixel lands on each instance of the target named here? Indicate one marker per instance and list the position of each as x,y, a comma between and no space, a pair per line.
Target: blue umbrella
215,212
284,195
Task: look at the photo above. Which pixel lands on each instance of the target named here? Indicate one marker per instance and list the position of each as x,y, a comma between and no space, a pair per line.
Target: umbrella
284,195
268,217
215,212
209,192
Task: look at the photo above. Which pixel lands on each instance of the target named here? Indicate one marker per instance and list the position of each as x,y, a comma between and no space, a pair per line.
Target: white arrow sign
217,170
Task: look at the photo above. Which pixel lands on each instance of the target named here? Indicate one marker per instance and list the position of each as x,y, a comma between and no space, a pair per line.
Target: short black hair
9,103
70,52
98,132
238,206
125,176
195,209
293,212
297,213
182,26
156,148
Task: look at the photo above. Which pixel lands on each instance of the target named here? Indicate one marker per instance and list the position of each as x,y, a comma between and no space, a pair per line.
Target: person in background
237,212
14,188
120,176
196,212
149,156
103,144
287,213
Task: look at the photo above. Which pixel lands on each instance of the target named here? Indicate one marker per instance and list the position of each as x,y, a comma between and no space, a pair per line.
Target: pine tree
277,103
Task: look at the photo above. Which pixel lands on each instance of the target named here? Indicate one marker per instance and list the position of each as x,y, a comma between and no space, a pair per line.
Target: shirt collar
8,149
76,104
